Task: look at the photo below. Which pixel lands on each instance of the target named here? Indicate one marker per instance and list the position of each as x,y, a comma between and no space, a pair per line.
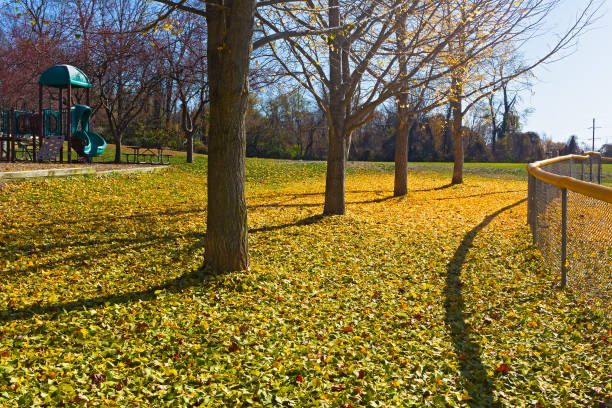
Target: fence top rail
596,191
601,156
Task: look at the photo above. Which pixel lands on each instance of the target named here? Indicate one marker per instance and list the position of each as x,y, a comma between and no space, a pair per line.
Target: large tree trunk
335,181
401,154
457,141
230,35
336,159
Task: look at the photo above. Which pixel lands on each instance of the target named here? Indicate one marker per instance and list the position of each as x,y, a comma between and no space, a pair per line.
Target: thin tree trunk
117,148
230,35
401,155
116,136
190,147
457,141
116,131
446,144
400,187
493,127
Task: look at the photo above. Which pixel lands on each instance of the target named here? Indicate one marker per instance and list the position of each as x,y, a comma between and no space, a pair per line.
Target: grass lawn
499,170
437,299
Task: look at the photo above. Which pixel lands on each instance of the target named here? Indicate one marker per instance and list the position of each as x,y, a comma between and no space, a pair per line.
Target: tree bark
493,127
457,140
118,149
116,135
401,155
336,160
335,181
230,35
400,187
190,147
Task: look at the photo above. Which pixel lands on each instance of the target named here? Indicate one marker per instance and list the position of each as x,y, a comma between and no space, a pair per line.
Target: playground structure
41,135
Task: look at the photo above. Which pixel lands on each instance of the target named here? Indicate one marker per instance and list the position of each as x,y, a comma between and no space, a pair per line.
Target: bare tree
490,29
361,73
124,67
185,55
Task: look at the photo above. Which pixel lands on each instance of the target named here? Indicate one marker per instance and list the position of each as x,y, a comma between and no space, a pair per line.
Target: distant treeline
285,127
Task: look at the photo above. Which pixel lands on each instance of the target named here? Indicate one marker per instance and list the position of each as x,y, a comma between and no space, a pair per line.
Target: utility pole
592,149
594,127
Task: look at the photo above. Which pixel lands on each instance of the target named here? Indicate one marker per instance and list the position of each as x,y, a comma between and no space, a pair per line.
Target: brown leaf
503,368
141,327
97,378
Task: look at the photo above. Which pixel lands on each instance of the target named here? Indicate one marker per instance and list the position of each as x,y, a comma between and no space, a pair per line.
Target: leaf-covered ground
435,299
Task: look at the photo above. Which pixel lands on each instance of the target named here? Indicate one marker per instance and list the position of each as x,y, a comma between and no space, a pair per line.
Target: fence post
598,169
582,170
530,200
591,168
13,127
563,237
534,209
571,167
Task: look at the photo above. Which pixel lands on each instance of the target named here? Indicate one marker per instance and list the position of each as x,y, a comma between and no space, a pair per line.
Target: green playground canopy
59,76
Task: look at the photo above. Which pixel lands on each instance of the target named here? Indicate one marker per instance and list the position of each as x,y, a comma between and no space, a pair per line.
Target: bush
200,147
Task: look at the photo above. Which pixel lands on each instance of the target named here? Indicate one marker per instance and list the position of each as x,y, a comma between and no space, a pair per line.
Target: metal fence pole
534,214
598,169
563,237
571,168
582,170
591,168
530,183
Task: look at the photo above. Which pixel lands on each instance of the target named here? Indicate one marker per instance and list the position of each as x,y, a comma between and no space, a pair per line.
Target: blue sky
569,93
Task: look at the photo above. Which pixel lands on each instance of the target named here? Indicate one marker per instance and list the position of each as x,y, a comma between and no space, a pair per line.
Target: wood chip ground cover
435,299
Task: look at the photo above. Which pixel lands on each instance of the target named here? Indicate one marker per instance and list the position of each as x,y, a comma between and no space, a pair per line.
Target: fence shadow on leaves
466,348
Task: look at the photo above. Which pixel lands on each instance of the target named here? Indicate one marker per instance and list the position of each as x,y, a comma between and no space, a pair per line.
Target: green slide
87,144
92,143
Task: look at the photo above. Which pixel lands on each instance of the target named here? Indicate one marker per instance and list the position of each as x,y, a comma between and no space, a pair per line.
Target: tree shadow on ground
110,218
198,277
25,250
305,221
376,200
310,205
322,193
467,349
314,194
424,190
480,195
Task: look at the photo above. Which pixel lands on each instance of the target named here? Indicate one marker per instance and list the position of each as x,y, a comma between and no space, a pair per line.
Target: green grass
432,300
504,170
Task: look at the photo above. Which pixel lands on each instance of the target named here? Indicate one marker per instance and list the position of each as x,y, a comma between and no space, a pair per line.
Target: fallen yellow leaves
434,299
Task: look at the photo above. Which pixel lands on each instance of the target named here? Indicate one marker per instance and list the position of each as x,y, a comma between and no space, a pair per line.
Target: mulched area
25,166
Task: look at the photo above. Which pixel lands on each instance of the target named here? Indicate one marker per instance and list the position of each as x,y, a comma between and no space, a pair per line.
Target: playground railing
570,215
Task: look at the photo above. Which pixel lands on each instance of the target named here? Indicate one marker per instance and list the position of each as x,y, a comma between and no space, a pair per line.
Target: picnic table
146,155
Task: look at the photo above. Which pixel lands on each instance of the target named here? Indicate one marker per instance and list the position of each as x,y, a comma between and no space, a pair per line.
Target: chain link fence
571,220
